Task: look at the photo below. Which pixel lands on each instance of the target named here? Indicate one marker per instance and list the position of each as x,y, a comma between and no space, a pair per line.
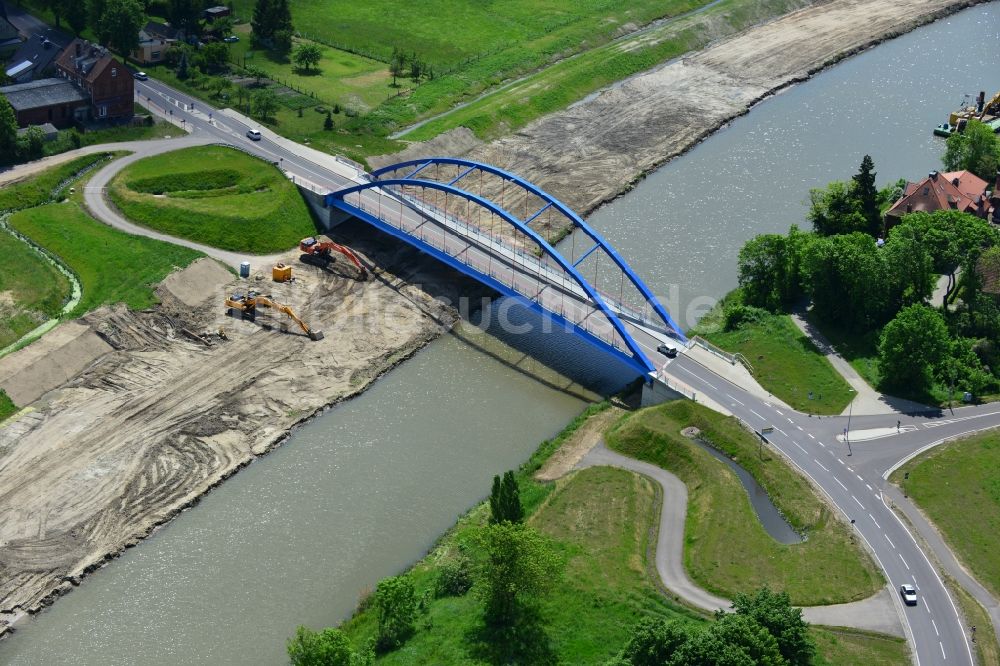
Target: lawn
217,196
727,550
787,364
958,486
39,189
850,647
860,350
7,406
113,267
32,290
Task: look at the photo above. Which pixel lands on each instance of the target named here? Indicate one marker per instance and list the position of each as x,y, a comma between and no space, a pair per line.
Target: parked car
231,39
141,76
253,134
908,593
667,350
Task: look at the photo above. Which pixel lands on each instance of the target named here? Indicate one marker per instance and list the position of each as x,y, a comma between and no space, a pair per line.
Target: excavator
247,306
318,251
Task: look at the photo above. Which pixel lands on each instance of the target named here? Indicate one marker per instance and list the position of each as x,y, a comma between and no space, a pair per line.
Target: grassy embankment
958,486
786,363
603,522
217,196
7,406
727,549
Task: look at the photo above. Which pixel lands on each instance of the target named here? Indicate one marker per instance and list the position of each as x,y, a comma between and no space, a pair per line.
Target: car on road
908,593
253,134
141,76
231,39
667,350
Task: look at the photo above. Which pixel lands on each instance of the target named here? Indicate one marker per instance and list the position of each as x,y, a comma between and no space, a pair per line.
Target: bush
454,577
396,606
737,315
213,179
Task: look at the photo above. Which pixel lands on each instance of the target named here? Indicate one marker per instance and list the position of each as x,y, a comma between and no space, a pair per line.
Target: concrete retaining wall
327,217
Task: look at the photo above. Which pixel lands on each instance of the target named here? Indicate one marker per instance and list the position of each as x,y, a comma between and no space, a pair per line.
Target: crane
247,306
320,249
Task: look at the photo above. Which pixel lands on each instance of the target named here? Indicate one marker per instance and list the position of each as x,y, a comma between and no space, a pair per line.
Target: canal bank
228,581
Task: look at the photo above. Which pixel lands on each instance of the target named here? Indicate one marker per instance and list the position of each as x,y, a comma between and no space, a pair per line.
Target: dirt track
152,425
595,150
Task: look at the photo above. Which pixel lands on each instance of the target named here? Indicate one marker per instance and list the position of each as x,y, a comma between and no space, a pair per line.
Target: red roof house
958,190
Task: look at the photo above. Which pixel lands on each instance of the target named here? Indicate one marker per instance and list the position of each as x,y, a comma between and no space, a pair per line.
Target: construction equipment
318,251
246,306
281,273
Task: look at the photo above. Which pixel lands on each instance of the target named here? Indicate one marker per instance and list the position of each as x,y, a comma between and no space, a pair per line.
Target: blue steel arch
637,360
568,212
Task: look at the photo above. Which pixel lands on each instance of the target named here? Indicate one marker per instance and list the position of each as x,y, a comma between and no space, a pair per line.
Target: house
155,39
55,101
105,81
217,12
957,190
34,59
10,38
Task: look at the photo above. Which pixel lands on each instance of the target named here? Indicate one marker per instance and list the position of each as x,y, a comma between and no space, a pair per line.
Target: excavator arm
315,247
263,301
991,107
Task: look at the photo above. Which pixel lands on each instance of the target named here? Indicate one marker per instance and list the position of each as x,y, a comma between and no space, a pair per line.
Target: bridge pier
658,391
328,216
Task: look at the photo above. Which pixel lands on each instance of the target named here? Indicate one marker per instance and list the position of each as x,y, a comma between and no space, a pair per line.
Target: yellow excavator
246,306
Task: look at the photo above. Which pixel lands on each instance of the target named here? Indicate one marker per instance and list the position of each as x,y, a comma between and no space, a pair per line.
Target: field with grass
851,647
861,351
958,486
32,290
217,196
787,364
727,550
39,189
7,406
113,267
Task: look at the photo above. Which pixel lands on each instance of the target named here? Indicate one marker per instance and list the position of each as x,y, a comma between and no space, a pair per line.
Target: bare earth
162,417
593,151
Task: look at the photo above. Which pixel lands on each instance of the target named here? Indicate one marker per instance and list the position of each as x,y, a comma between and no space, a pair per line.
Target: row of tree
272,25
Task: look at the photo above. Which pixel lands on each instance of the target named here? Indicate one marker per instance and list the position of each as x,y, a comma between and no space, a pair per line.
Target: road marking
758,416
841,484
942,649
927,607
781,431
841,461
859,478
810,435
789,420
779,412
799,427
732,398
890,541
905,565
858,501
821,443
934,624
870,487
821,465
800,448
874,521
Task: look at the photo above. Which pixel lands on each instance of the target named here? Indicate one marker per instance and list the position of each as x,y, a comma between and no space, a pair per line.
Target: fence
733,359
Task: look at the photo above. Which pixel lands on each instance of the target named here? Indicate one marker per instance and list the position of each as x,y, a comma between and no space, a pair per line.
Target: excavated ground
173,408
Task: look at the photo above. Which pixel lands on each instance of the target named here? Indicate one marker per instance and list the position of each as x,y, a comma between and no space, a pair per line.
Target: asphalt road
852,475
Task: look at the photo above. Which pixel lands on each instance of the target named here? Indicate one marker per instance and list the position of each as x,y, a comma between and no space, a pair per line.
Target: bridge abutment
327,216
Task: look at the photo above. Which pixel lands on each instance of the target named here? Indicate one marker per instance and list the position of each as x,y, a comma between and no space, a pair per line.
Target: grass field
861,351
727,549
958,486
38,189
217,196
787,364
7,406
113,267
158,130
32,290
850,647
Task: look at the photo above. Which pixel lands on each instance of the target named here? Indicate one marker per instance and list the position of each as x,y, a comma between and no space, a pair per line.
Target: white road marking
905,564
870,487
799,427
758,416
890,541
934,624
874,521
841,461
800,448
810,435
789,420
821,465
821,443
942,650
859,478
732,398
841,484
858,501
927,607
779,412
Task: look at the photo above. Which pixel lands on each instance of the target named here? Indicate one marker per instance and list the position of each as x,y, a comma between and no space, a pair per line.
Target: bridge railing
389,209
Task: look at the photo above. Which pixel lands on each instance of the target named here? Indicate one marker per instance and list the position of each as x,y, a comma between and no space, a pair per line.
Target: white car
141,76
909,594
253,134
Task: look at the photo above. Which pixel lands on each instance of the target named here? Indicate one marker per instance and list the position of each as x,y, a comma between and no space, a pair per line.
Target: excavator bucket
315,335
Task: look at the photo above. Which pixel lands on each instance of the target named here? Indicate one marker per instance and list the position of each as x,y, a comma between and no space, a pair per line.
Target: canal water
364,490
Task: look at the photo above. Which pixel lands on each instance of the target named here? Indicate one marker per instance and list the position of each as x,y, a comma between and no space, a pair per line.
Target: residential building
55,101
107,83
34,59
155,39
957,190
217,12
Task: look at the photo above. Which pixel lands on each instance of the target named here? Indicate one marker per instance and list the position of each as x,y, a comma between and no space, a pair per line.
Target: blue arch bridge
503,231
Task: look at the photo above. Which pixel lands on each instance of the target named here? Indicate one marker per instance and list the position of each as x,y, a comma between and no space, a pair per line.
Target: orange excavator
318,251
246,306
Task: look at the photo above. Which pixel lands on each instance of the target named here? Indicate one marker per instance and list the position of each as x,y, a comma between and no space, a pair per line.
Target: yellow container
281,273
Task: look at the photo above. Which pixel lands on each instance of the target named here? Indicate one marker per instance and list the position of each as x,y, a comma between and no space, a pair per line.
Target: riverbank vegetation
879,290
45,186
217,196
32,290
785,361
587,594
949,479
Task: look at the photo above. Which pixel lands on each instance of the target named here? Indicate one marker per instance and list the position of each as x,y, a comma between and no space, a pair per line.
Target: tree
214,56
396,607
185,15
265,103
519,566
866,193
32,142
307,55
327,648
977,149
653,641
183,69
845,275
95,16
271,17
913,344
220,85
909,269
774,612
328,123
281,42
260,22
256,72
768,271
732,640
121,22
397,64
834,210
505,500
416,68
76,16
8,127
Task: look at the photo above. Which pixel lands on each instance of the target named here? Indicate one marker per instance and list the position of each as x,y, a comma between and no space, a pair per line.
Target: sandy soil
173,408
595,150
577,445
